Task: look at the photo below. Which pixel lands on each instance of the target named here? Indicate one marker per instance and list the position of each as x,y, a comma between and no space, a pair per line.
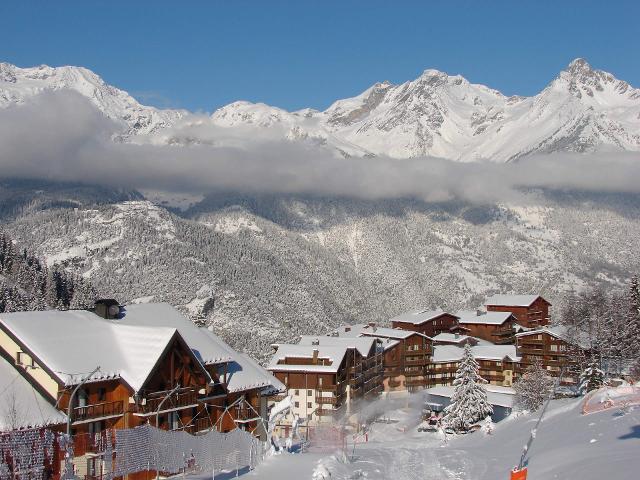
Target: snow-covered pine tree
533,387
469,402
592,378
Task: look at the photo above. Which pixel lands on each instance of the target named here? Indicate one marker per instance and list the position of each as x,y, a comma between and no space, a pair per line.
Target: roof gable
420,316
513,300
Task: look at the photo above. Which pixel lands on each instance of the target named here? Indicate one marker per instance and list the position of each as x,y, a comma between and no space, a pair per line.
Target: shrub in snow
592,378
533,387
469,402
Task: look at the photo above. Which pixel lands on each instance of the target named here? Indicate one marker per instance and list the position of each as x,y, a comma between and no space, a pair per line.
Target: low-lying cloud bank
62,137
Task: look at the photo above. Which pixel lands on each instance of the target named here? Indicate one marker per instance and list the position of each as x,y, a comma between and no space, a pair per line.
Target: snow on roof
486,318
418,316
561,332
244,372
362,344
497,398
452,338
395,333
125,351
334,353
164,315
31,408
453,353
512,300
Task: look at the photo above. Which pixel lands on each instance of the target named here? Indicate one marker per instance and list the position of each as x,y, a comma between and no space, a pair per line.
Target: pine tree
533,387
469,402
592,378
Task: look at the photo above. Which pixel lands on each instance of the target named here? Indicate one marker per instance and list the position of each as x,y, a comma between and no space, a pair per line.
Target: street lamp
175,389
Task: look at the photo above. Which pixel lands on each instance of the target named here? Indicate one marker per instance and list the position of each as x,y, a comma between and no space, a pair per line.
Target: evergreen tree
533,387
469,402
592,378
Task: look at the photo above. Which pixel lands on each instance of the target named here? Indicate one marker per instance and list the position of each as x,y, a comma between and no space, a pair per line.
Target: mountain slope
19,84
268,269
582,110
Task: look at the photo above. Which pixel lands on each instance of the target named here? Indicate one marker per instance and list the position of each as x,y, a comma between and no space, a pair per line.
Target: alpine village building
422,350
155,366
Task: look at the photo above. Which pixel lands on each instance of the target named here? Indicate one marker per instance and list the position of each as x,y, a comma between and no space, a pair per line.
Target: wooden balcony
98,410
182,399
326,400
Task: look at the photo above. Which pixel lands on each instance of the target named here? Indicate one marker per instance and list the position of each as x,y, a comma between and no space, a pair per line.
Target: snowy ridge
17,85
441,115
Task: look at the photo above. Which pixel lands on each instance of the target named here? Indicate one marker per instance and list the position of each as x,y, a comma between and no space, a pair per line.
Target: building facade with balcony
498,363
530,311
155,366
555,349
427,322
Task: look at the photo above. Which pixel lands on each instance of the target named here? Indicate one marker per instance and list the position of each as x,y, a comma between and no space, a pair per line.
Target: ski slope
569,446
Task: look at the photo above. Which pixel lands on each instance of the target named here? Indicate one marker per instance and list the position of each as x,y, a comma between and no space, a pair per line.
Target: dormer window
23,359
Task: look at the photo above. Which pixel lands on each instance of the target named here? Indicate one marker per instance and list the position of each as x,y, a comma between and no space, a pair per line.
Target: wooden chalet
407,355
494,327
498,363
426,322
326,376
156,367
530,311
554,349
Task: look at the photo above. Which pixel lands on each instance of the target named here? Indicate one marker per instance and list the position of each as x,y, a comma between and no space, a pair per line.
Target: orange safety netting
610,397
519,474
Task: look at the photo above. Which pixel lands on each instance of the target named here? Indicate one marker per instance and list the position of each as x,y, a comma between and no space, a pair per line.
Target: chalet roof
244,372
395,333
512,300
503,397
419,316
558,331
334,353
453,353
72,343
484,318
453,338
32,409
363,345
164,315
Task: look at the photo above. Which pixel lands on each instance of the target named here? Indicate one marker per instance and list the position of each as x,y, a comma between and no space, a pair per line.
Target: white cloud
61,137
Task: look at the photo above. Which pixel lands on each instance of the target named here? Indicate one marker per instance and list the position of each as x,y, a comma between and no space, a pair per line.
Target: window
297,404
309,393
296,392
554,348
102,394
320,381
309,405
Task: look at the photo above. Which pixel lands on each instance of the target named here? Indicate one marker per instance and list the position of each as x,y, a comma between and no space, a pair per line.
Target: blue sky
201,55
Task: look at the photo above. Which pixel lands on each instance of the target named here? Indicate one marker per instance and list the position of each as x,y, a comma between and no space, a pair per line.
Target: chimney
372,326
108,308
315,342
479,313
315,356
347,329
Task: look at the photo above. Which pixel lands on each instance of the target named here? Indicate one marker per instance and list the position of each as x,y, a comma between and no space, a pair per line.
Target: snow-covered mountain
19,84
582,110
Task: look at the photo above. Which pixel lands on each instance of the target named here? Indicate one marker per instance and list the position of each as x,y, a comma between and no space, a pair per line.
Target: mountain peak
579,66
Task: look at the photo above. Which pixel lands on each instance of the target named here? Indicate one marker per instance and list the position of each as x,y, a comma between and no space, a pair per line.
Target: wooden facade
553,352
442,323
498,333
322,391
407,363
530,316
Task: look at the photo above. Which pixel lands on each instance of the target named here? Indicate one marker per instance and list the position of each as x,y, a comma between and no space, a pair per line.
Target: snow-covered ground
569,446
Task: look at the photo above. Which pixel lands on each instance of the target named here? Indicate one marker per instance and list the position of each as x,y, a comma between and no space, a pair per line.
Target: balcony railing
326,400
98,410
175,401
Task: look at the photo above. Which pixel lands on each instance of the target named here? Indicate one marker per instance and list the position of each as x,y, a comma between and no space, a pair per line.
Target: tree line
27,283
